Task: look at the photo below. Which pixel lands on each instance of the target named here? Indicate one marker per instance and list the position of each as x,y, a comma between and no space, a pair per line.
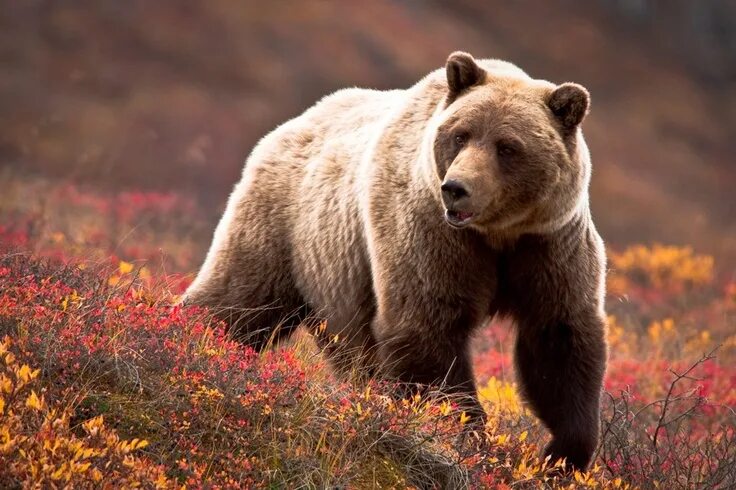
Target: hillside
102,380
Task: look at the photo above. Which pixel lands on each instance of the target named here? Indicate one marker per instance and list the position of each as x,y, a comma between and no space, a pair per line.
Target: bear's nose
453,191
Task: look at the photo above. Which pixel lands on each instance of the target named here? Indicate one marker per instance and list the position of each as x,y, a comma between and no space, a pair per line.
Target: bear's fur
407,218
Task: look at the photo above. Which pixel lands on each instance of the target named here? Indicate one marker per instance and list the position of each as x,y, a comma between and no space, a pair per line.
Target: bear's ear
569,103
462,72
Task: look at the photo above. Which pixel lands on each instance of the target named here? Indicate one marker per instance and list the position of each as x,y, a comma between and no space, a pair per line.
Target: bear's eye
504,149
461,139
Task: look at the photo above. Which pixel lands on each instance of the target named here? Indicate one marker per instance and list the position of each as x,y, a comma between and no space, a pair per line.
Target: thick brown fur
407,218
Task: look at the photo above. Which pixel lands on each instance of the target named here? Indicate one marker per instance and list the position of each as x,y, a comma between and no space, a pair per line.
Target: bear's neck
567,236
426,166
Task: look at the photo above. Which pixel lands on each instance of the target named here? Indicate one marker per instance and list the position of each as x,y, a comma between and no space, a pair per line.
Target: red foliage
97,317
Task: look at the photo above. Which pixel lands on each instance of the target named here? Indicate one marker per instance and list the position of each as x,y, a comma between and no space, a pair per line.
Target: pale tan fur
340,209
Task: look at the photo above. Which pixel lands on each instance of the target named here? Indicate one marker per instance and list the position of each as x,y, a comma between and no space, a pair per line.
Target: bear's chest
457,276
471,278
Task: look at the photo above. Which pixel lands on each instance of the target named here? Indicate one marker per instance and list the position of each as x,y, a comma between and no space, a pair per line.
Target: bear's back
329,254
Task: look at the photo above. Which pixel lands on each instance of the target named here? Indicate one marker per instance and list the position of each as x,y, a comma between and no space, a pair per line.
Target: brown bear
407,218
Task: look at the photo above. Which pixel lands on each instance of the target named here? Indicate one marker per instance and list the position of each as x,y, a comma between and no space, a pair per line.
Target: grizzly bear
405,219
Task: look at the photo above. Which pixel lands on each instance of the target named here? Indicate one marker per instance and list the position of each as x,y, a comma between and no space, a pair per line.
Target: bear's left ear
569,103
462,72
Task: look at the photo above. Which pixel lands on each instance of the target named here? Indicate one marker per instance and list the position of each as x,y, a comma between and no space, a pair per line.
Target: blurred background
171,96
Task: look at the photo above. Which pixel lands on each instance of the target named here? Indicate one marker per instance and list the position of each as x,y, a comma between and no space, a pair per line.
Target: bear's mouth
458,219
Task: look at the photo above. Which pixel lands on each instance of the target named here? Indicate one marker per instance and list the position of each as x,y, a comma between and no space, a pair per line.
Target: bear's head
508,149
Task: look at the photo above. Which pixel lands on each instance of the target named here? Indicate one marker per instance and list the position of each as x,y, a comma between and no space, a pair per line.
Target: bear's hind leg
267,325
254,318
247,280
347,342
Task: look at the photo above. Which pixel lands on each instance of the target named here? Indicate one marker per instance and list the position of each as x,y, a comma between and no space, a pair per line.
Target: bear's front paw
576,450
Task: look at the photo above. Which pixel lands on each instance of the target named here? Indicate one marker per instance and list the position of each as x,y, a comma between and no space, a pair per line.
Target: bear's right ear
462,72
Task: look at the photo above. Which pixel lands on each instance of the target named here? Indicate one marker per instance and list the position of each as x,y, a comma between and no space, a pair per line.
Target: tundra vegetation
103,383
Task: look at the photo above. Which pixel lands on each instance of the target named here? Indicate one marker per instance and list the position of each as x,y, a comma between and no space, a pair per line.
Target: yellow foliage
204,393
125,267
9,359
44,452
500,397
25,374
621,339
702,343
445,408
73,299
660,266
33,401
661,330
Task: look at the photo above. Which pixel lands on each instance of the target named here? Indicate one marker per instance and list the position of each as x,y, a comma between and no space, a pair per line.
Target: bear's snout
456,197
454,193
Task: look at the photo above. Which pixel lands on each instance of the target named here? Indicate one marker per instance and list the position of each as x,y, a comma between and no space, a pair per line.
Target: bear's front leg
560,365
553,287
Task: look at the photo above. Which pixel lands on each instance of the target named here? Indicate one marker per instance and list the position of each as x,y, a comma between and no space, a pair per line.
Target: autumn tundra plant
102,380
180,402
40,448
668,418
166,230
